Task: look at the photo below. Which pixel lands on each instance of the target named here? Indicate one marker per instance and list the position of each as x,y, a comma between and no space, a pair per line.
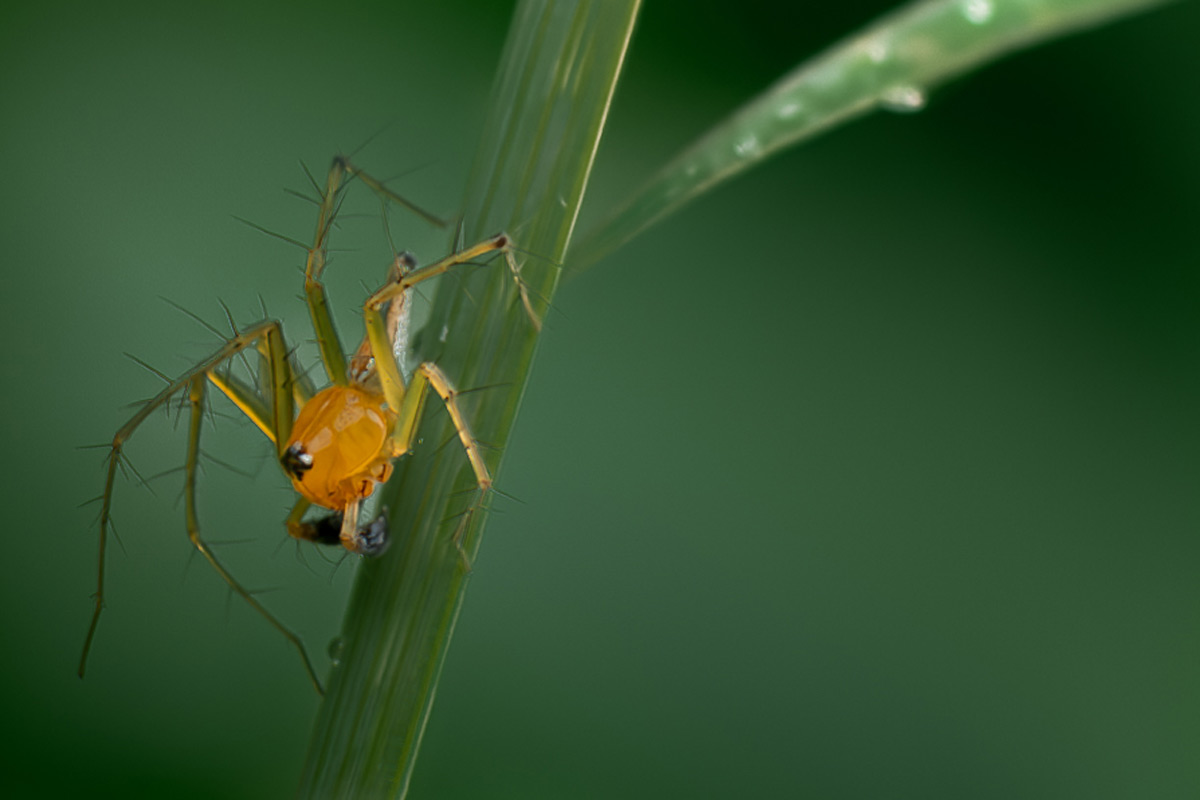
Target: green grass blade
548,107
891,64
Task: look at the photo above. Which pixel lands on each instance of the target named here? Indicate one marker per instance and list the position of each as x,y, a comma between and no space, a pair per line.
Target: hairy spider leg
429,375
341,171
409,400
275,421
389,376
196,400
362,363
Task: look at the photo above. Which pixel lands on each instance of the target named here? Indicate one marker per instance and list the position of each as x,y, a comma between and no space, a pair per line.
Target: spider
342,442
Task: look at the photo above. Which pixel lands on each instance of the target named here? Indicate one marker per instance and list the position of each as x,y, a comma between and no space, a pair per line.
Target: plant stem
548,107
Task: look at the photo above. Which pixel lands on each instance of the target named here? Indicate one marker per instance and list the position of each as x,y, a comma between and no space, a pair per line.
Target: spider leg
362,363
274,421
379,331
279,383
298,529
429,375
501,243
341,171
196,400
348,535
302,385
314,291
385,194
409,401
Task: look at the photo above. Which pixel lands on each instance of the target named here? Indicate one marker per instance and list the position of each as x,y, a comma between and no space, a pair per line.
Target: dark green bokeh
872,474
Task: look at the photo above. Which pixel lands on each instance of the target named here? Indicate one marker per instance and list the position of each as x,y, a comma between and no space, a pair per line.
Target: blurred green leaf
892,64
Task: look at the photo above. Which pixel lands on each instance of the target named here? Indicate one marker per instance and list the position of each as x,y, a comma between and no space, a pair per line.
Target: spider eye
297,460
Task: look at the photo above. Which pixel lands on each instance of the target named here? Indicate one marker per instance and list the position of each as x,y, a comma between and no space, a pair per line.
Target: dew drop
788,110
750,146
903,99
337,646
978,11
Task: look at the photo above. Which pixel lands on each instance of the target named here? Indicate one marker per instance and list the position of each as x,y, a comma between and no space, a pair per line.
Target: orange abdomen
340,446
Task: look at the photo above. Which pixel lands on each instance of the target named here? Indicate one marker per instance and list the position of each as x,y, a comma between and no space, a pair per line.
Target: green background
872,474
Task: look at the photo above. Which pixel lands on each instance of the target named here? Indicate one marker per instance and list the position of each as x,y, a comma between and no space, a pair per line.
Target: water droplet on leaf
749,146
788,110
903,99
978,11
337,646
